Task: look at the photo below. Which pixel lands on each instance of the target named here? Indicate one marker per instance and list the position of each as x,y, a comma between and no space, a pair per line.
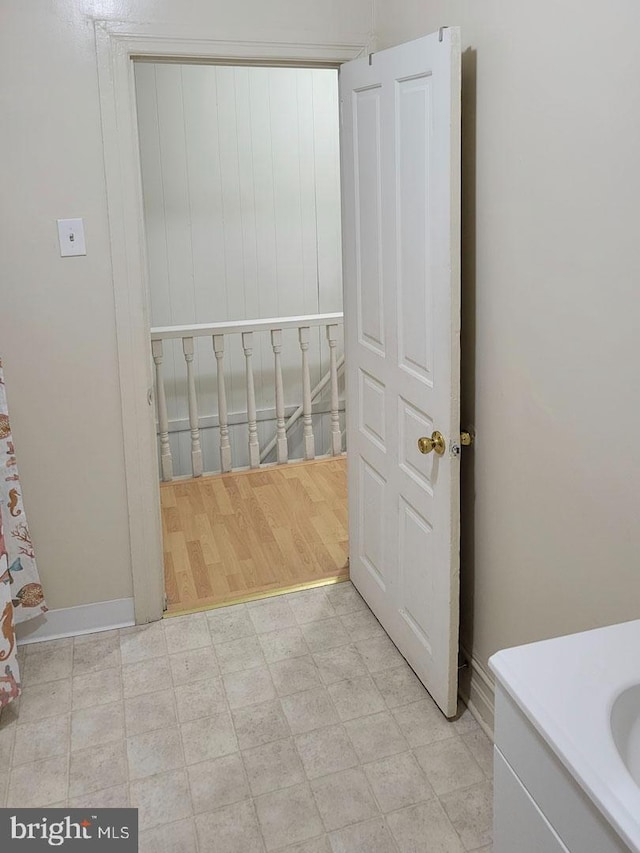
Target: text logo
32,830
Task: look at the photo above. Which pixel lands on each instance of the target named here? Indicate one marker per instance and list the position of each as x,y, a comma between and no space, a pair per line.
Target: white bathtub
580,695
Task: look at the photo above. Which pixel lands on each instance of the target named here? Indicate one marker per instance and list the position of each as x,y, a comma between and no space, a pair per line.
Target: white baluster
254,447
281,432
336,437
166,462
223,418
196,450
307,430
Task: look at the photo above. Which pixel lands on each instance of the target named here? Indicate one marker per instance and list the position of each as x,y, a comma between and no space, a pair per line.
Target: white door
401,212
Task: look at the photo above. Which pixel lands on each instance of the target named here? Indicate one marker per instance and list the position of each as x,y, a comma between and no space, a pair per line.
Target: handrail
160,333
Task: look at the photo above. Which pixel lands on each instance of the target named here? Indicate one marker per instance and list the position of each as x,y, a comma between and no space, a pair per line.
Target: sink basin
581,694
625,728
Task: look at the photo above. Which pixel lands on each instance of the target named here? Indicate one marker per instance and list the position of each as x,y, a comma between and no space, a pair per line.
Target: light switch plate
71,237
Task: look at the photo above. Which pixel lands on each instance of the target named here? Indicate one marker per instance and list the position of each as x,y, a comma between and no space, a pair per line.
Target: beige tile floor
290,724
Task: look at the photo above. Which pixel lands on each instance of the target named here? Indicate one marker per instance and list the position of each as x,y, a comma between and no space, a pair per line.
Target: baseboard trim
72,621
477,691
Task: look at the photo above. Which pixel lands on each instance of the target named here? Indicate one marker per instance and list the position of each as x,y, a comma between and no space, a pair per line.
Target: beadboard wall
241,186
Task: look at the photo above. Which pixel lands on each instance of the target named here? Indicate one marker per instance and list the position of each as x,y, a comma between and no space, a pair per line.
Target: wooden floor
230,536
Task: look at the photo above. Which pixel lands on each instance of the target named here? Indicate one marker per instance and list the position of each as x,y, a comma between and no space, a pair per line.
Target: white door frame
117,44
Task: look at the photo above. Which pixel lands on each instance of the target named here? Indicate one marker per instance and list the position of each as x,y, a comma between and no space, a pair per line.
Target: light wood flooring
230,536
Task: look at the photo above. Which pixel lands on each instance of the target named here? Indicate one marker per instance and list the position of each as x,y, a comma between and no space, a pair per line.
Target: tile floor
289,724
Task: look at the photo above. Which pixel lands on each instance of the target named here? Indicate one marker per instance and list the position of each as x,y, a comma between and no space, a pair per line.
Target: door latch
467,438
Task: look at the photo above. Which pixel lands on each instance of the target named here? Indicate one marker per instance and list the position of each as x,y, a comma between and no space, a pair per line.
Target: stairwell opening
241,192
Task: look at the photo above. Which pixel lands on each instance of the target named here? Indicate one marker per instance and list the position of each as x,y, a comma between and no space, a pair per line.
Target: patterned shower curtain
21,595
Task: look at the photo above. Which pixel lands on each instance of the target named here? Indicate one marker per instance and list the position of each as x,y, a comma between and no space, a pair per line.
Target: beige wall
57,328
551,288
552,270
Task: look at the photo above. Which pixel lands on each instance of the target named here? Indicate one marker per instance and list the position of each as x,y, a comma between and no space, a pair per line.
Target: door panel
371,409
400,175
374,486
412,424
366,109
415,318
416,588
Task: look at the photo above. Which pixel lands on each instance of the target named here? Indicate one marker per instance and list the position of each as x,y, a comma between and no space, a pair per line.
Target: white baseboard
477,691
71,621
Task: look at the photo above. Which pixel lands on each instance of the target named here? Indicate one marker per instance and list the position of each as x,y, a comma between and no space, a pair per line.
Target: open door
401,213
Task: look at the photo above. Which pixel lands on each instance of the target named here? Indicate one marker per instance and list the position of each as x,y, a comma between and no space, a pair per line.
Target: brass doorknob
435,443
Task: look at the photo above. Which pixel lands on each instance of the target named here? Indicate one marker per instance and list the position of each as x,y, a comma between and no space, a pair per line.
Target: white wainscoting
72,621
240,172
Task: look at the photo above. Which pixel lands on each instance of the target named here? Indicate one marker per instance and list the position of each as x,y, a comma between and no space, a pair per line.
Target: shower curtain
21,595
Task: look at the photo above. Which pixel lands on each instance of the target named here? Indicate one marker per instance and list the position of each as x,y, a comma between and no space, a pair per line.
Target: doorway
241,194
383,135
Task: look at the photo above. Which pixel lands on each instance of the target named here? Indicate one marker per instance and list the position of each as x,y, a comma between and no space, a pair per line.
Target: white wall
241,185
551,277
57,328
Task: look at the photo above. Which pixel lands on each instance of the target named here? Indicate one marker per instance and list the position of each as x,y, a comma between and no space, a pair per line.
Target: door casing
118,44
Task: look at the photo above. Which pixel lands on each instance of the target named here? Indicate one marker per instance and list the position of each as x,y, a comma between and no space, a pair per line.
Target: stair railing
219,332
